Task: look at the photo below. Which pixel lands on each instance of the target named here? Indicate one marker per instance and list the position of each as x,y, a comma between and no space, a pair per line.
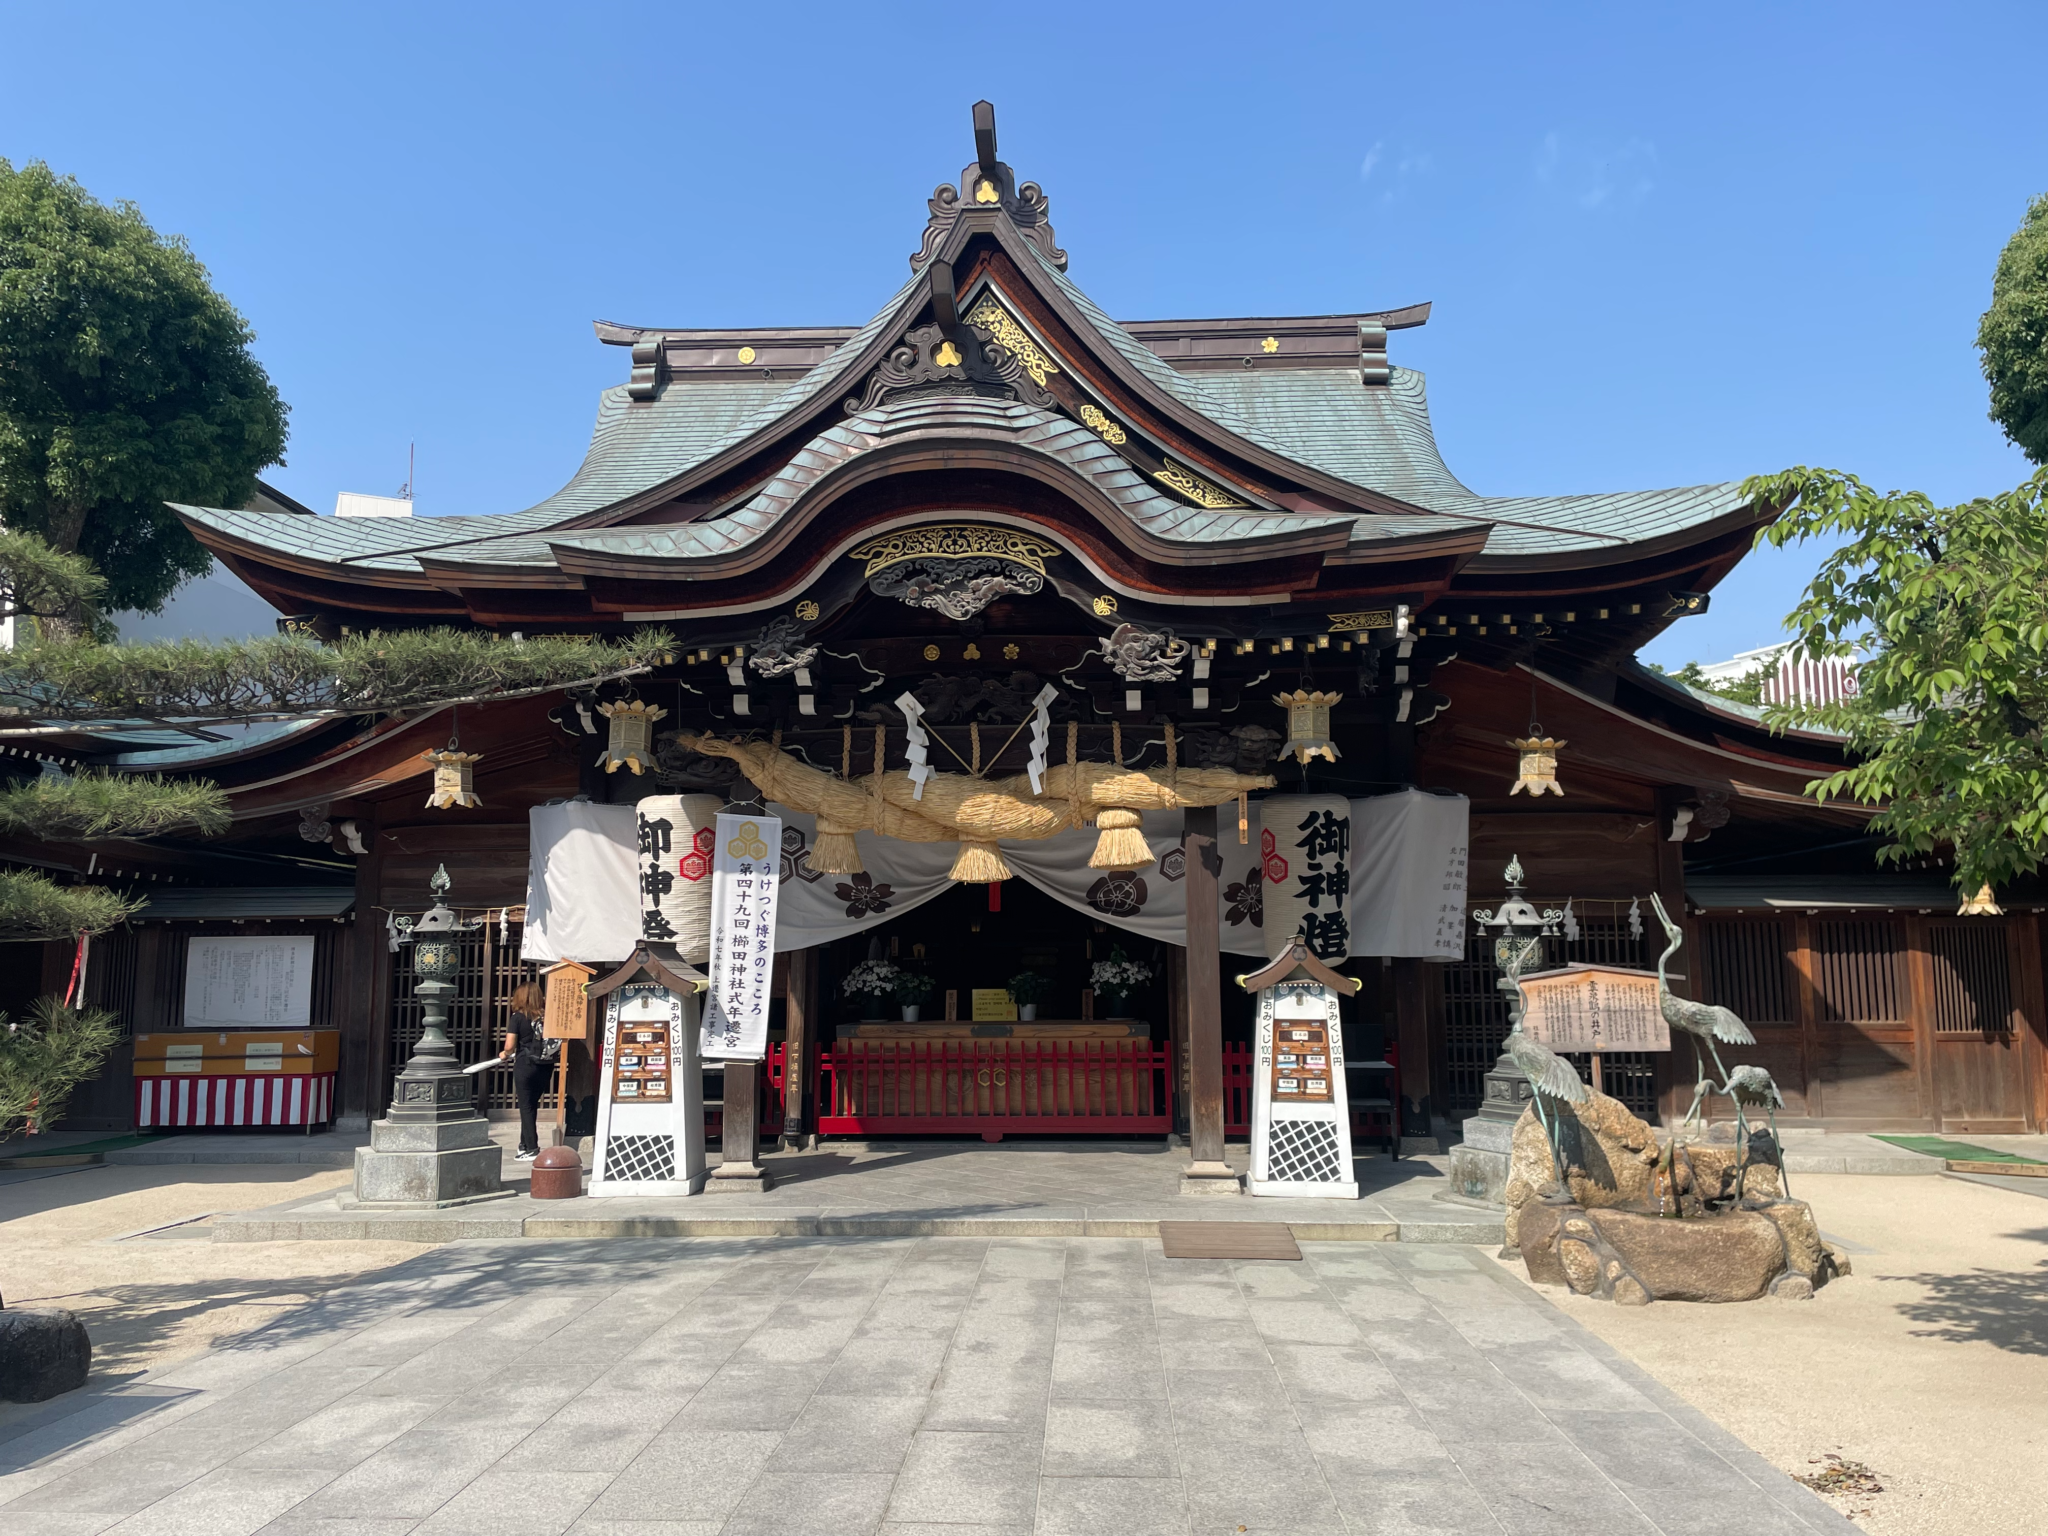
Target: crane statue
1705,1022
1550,1077
1753,1085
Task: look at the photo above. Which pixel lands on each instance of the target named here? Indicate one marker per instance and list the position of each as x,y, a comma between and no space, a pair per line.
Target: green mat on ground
1955,1151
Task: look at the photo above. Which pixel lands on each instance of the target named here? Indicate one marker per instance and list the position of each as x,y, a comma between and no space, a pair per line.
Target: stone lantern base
420,1166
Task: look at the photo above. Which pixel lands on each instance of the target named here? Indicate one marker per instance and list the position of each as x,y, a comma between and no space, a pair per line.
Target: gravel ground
148,1301
1928,1365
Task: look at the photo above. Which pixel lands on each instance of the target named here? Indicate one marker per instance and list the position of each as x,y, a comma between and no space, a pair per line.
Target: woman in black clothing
526,1049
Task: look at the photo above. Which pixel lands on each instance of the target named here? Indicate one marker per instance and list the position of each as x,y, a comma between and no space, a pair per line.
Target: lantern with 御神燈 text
1308,725
632,730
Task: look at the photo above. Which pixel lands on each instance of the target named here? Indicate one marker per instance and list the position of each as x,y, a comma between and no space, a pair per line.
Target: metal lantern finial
1308,725
627,745
1538,771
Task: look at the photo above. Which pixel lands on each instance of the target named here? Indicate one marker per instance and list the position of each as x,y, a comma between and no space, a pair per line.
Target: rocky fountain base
1610,1231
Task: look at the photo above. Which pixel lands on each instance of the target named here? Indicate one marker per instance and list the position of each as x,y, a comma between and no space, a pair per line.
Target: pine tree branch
39,582
91,805
35,907
291,677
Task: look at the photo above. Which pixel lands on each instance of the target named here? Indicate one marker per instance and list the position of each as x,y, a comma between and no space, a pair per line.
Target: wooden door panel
1867,1078
1979,1083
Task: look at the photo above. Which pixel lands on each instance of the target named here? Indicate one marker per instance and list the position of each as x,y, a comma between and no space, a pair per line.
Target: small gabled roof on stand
659,963
1295,960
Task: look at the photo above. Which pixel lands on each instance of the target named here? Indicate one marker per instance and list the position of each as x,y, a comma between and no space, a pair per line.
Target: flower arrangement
911,987
1028,988
874,979
1116,978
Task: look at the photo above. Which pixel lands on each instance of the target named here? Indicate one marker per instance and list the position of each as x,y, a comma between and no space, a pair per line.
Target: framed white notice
745,867
233,983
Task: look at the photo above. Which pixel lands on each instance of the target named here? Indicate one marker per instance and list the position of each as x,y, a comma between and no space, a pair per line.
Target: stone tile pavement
917,1386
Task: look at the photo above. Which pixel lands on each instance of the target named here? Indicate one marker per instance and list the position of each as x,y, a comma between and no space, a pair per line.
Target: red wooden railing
1237,1089
994,1086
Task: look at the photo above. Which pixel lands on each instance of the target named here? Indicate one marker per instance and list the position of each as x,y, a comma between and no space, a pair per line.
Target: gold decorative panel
1000,324
952,541
1352,623
1110,431
1191,485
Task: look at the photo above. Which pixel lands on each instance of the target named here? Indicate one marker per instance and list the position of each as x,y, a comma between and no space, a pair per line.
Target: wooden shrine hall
1195,534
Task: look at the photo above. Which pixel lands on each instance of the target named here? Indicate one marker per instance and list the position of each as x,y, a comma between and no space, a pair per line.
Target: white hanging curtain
1407,873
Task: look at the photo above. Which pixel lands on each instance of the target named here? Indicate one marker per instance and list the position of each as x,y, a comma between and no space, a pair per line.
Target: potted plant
1116,978
1027,990
911,988
871,984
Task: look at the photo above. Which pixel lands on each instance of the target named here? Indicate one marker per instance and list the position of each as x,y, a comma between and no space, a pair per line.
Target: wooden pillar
798,1004
1411,1034
1207,1171
364,1018
1177,1035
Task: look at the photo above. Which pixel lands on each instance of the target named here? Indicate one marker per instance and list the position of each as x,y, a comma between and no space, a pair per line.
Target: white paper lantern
677,835
1305,846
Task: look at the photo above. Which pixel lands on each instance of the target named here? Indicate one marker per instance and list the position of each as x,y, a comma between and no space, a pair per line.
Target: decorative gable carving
990,183
938,360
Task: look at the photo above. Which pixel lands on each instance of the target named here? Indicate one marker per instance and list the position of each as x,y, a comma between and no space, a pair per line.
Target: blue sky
1666,245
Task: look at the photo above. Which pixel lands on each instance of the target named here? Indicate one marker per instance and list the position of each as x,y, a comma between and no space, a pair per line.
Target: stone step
583,1219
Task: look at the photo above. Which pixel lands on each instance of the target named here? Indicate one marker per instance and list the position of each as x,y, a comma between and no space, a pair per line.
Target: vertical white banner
744,871
1306,844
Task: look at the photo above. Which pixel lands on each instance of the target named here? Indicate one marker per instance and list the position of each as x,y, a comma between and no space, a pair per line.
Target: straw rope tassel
837,853
974,737
1074,773
1244,818
1116,741
846,753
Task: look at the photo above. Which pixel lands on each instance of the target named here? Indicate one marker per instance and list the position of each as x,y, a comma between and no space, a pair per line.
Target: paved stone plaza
918,1386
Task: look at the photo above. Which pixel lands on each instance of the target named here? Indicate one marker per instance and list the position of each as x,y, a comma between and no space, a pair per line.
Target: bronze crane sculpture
1550,1076
1705,1022
1753,1085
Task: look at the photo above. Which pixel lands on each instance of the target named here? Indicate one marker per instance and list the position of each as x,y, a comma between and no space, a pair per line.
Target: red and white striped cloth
299,1099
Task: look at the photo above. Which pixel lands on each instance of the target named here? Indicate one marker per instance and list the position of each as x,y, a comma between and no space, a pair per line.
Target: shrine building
1201,546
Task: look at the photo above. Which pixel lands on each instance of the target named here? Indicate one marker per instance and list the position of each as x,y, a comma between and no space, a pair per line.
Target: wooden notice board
568,1013
1595,1008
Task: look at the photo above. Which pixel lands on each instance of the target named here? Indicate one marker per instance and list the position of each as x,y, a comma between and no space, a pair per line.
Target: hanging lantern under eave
1308,725
629,741
1983,904
454,778
1538,772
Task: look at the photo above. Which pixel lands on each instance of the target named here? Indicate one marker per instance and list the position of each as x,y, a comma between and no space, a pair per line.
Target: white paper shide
744,879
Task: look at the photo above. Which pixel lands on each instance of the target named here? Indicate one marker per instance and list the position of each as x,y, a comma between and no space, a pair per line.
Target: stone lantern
1479,1165
432,1148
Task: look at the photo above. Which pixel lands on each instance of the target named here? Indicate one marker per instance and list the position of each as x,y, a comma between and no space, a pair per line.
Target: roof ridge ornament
986,182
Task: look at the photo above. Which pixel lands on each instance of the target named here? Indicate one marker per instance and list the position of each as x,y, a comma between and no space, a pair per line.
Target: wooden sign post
1594,1008
565,1018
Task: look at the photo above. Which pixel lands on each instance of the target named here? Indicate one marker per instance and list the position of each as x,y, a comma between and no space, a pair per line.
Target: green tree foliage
45,1056
125,382
35,907
38,582
1747,689
2013,336
1948,607
92,805
295,676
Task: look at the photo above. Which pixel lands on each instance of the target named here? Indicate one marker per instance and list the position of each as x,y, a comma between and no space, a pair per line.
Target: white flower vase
910,1013
1027,1011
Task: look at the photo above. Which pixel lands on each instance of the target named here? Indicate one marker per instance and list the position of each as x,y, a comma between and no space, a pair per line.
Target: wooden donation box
650,1115
1301,1124
1595,1008
220,1077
